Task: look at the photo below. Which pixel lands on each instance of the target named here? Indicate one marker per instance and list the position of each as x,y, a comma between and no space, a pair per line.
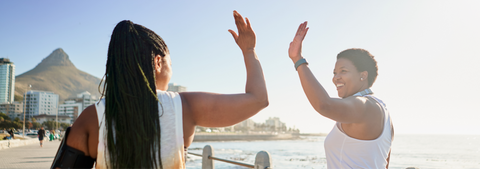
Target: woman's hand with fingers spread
246,36
295,50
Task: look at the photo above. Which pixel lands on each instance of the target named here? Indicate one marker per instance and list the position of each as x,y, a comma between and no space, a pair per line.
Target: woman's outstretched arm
348,110
220,110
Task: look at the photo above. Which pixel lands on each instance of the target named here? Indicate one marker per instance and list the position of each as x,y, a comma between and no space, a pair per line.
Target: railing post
263,160
207,163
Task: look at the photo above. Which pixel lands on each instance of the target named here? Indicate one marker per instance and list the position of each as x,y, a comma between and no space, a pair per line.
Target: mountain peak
57,73
57,58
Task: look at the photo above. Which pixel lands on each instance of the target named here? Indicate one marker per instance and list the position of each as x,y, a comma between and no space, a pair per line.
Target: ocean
421,151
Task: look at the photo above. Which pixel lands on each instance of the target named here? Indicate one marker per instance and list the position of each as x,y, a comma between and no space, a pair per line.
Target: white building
275,123
86,99
40,102
7,80
71,109
176,88
248,124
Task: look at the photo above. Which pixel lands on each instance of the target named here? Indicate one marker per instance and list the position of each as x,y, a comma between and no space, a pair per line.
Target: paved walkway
29,156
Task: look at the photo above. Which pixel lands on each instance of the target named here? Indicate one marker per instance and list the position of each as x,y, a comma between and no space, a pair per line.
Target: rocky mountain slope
57,73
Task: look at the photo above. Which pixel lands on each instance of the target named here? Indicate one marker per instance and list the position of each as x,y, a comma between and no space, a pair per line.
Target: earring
361,79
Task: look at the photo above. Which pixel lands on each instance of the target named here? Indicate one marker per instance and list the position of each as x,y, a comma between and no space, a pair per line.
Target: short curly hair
363,61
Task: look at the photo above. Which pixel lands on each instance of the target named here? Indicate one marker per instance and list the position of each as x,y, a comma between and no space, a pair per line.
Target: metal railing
262,159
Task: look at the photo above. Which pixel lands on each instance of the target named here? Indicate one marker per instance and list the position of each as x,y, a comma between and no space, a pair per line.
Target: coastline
421,151
200,137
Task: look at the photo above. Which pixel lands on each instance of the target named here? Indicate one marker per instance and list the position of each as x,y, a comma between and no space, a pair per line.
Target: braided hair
131,103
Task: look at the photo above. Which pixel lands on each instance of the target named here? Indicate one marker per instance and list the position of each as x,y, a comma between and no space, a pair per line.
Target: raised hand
218,110
246,37
295,50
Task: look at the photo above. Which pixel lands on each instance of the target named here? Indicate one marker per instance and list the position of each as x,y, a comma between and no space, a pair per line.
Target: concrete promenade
29,156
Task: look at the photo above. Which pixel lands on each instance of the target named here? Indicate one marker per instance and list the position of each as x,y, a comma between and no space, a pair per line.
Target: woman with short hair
363,134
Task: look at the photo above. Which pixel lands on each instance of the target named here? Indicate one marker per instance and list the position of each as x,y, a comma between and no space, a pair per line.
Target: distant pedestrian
41,134
12,135
52,136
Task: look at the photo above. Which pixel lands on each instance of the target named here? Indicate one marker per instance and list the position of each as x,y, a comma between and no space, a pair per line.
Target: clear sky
427,51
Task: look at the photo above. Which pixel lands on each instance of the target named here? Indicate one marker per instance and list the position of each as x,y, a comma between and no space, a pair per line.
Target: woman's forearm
316,94
255,84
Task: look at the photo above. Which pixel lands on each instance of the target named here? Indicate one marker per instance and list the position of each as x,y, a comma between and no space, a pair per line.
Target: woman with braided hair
138,124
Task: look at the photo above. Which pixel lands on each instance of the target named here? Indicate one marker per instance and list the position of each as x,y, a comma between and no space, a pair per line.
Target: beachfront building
86,99
40,102
274,124
70,108
73,107
246,125
7,80
12,110
176,88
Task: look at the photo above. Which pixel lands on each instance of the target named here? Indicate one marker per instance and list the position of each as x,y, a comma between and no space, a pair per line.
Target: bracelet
300,62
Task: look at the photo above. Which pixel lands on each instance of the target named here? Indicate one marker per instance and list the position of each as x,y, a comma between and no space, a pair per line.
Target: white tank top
343,151
171,124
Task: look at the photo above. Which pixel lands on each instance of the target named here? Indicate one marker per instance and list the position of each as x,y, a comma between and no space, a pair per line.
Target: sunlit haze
427,51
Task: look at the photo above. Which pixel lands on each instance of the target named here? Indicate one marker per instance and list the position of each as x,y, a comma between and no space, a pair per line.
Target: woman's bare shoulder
84,132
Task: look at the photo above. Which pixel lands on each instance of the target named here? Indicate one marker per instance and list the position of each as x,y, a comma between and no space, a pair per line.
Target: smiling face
347,79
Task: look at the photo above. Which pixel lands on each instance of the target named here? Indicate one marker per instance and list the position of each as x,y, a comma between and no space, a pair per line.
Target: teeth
340,85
